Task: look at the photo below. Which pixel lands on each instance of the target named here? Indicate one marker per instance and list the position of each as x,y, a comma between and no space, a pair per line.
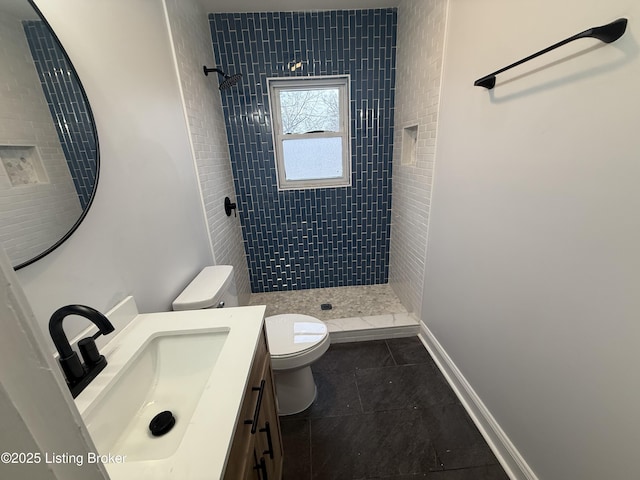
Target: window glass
304,111
312,158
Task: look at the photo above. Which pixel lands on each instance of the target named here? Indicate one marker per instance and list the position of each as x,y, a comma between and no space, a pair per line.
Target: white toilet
295,341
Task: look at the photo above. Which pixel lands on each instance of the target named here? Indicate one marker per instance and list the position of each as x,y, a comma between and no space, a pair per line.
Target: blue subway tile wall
326,237
67,105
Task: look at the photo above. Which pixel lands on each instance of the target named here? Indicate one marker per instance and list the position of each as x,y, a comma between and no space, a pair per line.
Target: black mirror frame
75,226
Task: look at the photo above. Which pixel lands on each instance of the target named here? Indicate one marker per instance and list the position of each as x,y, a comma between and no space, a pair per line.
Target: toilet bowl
295,340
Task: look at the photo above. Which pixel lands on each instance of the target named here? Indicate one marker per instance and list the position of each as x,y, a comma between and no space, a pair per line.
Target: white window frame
342,82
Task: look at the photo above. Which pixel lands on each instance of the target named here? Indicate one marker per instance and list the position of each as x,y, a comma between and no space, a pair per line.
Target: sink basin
195,364
168,373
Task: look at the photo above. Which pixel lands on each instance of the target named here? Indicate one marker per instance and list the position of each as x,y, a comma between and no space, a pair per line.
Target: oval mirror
48,143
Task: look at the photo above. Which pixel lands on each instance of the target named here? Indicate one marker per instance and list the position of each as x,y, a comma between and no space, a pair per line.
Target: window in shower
311,135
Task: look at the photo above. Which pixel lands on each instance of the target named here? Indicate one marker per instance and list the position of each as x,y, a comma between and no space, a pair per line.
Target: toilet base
295,390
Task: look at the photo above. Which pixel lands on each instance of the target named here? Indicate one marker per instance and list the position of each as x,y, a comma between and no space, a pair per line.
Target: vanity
257,444
210,369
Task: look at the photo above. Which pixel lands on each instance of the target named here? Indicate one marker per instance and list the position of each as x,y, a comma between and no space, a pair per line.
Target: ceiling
21,8
219,6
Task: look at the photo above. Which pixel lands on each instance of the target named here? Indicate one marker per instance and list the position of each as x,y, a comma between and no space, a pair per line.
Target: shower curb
377,327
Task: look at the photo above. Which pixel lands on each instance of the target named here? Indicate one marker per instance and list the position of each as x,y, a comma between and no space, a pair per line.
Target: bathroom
528,282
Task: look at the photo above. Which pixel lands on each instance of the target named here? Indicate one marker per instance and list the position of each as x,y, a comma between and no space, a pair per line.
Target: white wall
421,28
35,216
38,414
145,234
532,273
191,37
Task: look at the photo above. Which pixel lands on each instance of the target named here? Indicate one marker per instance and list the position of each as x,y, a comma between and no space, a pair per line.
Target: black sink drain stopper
162,423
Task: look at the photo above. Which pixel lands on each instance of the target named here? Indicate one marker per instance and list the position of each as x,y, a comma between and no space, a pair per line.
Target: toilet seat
295,340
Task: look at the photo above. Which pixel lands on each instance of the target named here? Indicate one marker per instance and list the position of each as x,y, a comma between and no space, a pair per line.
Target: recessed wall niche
22,165
409,145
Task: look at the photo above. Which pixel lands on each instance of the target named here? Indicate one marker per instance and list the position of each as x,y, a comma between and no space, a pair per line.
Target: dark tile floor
384,411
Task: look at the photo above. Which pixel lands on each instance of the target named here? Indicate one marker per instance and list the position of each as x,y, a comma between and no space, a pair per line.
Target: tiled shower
326,237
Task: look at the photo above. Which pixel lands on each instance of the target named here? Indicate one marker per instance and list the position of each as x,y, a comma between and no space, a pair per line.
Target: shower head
228,82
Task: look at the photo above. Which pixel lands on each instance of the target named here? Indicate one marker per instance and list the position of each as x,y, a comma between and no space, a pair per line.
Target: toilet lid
205,290
293,333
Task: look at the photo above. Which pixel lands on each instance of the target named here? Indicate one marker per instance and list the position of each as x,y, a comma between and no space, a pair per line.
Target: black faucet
79,375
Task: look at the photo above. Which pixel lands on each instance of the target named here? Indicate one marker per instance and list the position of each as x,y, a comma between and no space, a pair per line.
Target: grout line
391,353
355,378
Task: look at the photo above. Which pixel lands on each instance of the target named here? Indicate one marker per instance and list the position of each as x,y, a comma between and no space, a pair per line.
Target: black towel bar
606,33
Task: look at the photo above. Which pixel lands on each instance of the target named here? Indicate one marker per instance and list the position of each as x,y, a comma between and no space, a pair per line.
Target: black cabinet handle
267,430
262,468
254,422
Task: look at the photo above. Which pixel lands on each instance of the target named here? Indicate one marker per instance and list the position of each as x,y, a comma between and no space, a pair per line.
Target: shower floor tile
368,312
347,302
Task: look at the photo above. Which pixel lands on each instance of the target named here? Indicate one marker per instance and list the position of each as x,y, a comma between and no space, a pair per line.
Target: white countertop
204,448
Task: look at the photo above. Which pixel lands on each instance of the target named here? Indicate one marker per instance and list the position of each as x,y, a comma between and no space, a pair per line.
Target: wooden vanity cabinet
256,449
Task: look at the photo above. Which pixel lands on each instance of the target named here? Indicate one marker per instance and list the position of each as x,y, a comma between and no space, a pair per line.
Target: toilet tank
213,287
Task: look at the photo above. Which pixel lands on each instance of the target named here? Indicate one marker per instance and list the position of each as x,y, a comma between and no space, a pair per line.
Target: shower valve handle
228,206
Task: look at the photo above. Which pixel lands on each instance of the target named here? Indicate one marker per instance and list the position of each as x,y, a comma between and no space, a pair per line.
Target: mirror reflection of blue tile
67,105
